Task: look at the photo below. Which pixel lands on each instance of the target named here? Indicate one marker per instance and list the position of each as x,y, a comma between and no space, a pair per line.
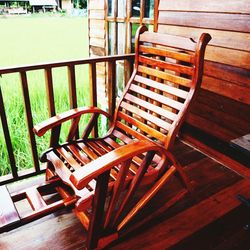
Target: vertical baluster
142,12
7,137
50,92
28,112
128,68
111,87
72,94
93,92
115,37
156,15
128,28
72,86
97,221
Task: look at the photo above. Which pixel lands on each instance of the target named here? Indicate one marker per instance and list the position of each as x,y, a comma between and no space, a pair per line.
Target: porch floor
216,220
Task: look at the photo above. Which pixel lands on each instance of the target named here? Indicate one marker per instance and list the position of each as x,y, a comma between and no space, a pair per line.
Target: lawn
28,40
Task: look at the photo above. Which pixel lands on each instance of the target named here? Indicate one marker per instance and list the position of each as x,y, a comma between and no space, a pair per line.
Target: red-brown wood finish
107,172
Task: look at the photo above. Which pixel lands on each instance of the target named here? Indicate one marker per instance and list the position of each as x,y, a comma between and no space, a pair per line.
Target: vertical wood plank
142,10
93,92
72,94
97,221
115,6
7,137
50,92
28,113
128,28
156,15
72,86
111,87
128,68
92,82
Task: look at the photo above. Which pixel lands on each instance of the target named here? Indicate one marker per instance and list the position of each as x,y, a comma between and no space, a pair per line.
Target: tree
80,4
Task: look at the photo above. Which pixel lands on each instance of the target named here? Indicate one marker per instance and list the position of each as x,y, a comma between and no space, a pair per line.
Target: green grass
29,40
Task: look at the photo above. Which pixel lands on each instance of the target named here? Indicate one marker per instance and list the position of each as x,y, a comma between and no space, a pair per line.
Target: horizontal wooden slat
154,133
223,118
130,131
60,168
8,211
122,136
157,97
15,69
96,4
35,199
68,158
232,6
97,33
232,22
93,146
227,73
148,117
97,42
104,146
166,65
225,88
150,106
211,128
228,56
78,154
165,76
167,53
168,40
97,51
97,14
224,104
222,38
96,24
87,151
163,87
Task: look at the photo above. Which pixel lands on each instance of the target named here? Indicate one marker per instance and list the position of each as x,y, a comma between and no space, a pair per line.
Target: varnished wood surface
63,231
136,150
8,212
222,107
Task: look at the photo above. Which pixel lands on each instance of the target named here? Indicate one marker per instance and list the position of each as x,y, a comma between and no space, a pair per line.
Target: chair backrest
167,73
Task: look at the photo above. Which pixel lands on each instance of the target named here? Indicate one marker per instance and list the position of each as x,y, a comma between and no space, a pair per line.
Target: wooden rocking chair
107,172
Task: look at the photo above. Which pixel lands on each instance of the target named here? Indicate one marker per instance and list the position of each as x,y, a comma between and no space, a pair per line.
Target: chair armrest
41,128
81,177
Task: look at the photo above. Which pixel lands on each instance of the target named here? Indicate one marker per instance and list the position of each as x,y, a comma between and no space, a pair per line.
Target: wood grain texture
222,38
179,226
230,22
226,71
226,88
234,6
8,211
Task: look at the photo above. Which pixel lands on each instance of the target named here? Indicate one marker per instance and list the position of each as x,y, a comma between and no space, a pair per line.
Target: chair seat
72,156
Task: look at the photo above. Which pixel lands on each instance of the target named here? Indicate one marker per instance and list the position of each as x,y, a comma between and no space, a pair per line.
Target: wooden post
93,92
50,92
7,137
28,112
97,221
111,87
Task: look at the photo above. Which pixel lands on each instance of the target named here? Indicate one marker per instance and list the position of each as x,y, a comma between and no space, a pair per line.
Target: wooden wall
97,41
223,105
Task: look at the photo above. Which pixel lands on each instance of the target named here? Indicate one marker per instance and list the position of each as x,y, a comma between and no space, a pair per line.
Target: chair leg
97,220
185,179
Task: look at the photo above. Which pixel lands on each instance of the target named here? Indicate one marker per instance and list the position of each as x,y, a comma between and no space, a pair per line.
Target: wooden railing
47,68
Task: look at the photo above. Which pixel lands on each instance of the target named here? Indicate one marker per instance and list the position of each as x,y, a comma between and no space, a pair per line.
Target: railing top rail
15,69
